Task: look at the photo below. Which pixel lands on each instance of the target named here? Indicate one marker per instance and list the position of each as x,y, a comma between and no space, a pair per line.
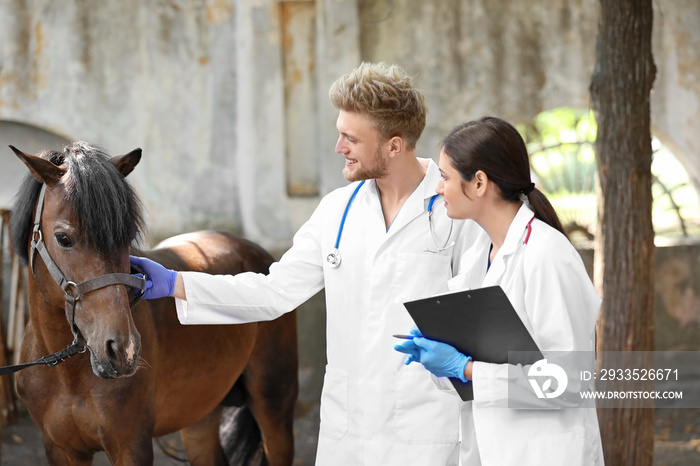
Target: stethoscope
333,258
447,244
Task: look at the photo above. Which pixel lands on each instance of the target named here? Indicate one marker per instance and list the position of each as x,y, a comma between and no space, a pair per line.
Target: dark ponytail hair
495,147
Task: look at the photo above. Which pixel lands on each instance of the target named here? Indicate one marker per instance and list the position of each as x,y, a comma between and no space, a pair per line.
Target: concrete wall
676,294
123,74
228,98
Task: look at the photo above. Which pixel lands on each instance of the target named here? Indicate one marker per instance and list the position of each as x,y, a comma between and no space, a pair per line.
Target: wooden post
624,252
14,294
7,392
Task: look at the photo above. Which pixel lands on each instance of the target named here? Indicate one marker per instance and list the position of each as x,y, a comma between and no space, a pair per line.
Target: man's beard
377,169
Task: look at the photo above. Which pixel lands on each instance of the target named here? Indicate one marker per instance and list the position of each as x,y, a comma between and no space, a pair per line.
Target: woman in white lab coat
523,249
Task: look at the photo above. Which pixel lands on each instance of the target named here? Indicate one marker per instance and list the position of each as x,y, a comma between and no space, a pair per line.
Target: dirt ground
21,442
677,440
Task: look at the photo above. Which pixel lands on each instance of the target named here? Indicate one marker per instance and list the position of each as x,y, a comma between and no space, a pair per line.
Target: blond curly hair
385,93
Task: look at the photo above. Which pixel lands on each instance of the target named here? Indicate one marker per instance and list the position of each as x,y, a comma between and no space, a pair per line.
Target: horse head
85,218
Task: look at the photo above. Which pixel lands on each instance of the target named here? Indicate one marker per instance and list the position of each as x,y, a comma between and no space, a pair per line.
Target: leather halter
74,291
77,289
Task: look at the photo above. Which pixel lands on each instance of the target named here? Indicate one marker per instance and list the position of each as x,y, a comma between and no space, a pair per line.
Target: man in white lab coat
372,246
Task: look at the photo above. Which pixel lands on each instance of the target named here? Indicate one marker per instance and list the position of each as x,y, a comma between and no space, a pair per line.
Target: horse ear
126,163
43,170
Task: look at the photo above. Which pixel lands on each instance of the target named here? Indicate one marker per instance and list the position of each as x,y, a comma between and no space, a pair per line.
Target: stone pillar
298,18
338,39
675,99
260,123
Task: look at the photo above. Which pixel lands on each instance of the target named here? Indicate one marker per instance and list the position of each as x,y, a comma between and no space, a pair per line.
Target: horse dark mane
108,210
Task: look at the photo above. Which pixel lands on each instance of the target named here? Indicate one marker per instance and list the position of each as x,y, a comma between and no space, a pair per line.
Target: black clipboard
481,323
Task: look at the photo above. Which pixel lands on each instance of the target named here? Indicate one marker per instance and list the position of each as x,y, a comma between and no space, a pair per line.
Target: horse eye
64,240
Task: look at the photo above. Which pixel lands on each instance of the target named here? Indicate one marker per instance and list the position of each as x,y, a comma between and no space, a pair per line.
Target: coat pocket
568,448
425,414
334,404
421,275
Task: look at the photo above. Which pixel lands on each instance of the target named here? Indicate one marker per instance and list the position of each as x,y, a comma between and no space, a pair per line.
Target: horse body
144,373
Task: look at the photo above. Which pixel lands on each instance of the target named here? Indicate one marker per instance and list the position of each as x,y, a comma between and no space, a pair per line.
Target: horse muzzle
112,359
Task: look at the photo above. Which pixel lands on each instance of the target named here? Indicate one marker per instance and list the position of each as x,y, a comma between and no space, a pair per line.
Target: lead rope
48,360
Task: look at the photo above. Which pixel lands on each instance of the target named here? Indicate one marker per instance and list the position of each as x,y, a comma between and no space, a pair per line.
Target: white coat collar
518,229
517,232
416,203
427,186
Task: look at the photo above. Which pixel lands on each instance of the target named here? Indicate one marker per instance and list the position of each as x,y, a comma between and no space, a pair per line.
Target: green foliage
562,159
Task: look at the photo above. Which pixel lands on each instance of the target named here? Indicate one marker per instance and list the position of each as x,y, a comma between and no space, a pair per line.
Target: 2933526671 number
638,374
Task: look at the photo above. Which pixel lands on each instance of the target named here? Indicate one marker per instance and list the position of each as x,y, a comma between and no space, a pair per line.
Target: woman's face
453,188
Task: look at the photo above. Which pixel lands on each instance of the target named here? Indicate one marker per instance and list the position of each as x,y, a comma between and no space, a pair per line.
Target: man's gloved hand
441,359
160,282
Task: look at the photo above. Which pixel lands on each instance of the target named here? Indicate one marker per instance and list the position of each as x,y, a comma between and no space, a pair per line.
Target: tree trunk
624,251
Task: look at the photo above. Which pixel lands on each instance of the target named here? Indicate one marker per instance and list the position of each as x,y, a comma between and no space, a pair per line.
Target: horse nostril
112,348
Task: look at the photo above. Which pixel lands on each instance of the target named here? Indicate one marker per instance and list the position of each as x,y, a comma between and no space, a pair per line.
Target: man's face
365,151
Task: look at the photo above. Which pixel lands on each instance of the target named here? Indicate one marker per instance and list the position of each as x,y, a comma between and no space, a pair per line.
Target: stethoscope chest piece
333,258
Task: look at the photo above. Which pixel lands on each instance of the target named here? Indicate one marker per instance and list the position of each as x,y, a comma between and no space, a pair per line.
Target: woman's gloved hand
441,359
410,348
160,282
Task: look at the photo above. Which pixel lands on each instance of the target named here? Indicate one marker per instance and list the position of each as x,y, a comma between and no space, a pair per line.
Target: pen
405,337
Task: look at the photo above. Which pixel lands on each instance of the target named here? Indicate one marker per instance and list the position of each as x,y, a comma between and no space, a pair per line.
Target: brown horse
144,374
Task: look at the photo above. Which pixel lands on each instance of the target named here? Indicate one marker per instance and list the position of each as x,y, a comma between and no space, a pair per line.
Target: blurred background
228,100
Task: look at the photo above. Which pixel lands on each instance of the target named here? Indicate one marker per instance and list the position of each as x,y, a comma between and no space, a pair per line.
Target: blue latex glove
441,359
160,282
410,348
